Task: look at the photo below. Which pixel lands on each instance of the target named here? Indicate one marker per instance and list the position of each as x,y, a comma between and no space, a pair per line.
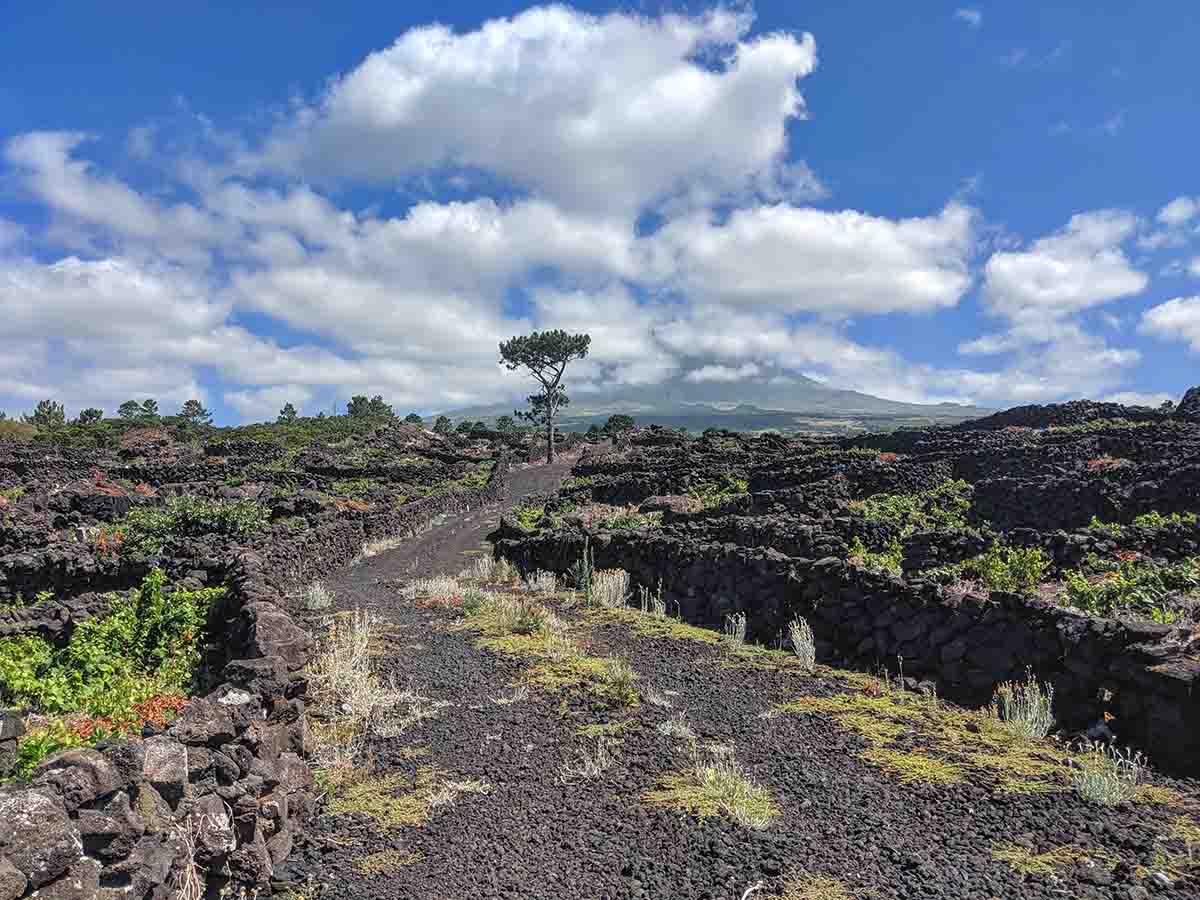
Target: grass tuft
1108,776
815,887
912,767
716,787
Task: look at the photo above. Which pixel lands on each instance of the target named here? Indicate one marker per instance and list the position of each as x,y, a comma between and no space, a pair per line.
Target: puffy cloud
47,169
969,15
1175,320
521,98
835,263
723,373
265,403
1179,211
1079,267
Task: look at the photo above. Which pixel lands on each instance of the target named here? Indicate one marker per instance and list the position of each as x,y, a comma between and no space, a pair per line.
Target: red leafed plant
108,543
356,505
144,490
156,711
1104,463
105,486
888,457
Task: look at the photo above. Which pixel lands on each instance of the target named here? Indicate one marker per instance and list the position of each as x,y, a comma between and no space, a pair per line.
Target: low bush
1155,519
944,507
889,559
148,529
709,494
1012,569
803,645
115,669
1107,775
1026,708
1131,584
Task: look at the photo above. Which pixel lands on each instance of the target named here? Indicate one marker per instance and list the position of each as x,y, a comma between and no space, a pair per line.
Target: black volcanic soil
534,836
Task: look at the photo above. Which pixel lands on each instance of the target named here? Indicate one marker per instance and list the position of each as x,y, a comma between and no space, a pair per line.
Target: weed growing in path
716,786
803,645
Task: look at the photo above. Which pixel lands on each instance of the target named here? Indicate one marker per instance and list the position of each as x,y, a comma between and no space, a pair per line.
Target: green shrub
1131,584
148,529
148,644
888,559
41,742
1113,530
529,518
12,494
713,493
941,507
1155,519
354,487
1012,569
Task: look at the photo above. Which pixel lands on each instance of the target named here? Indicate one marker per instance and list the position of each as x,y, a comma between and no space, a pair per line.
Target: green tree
545,355
464,427
504,424
148,410
414,419
48,415
618,423
195,414
287,415
130,409
89,416
360,407
442,425
593,431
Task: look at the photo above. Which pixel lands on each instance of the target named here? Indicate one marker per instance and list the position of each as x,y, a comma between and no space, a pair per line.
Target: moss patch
815,887
393,801
1026,862
387,861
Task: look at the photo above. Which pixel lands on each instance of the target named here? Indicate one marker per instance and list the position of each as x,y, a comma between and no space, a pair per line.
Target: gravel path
519,821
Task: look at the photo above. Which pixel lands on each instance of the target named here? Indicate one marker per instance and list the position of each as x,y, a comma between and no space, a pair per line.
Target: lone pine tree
545,355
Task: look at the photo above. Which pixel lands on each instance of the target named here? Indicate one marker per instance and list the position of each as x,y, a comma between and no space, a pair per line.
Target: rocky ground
525,819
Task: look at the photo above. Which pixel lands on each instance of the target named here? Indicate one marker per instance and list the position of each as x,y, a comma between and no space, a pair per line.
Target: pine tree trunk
549,441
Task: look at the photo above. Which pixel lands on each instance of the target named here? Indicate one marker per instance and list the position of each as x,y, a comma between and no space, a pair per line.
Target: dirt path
448,546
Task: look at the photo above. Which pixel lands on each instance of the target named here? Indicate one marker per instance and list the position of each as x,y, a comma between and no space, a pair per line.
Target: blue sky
990,202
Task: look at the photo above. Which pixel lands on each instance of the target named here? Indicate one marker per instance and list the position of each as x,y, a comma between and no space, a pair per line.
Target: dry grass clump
1026,708
387,861
1158,795
1107,775
439,587
652,603
316,596
541,582
619,678
609,588
803,644
483,569
377,546
590,764
716,786
352,697
677,727
734,634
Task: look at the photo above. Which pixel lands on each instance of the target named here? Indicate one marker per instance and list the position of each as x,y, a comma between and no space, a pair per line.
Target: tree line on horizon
544,355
